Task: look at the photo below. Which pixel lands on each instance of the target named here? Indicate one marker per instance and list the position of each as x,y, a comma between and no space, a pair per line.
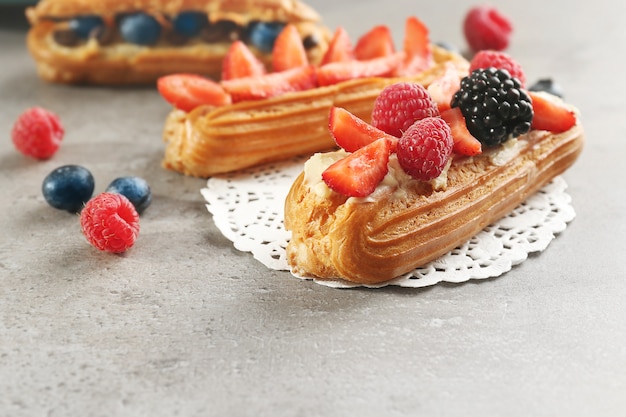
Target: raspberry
399,105
37,133
110,222
498,60
486,28
424,149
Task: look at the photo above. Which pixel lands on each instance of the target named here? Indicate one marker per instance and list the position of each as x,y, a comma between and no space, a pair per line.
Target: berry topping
424,149
464,142
358,174
110,222
547,85
443,88
494,105
240,62
499,60
37,133
262,35
190,23
376,43
339,48
135,189
68,187
417,49
337,72
140,29
83,26
399,105
272,84
188,91
551,113
352,133
288,50
486,28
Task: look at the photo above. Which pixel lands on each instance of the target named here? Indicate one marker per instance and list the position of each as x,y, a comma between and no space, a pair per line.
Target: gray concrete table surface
185,325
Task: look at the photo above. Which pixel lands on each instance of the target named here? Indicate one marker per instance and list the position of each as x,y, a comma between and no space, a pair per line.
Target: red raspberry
423,151
499,60
399,105
486,28
37,133
110,222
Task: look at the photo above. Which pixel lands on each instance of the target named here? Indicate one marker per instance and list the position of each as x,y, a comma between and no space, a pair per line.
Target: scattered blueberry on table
68,187
547,85
135,189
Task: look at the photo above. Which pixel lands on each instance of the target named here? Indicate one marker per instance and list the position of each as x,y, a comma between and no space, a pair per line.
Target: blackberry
494,105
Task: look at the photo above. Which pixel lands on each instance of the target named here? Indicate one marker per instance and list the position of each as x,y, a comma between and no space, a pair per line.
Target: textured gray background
185,325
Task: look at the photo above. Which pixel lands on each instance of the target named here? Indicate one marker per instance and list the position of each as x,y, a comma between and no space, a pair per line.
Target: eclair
373,240
117,42
214,139
386,205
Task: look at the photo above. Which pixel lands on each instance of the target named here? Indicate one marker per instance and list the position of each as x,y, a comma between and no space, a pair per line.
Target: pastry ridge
369,242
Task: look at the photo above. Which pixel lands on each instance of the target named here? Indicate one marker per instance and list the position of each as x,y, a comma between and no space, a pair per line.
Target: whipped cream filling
507,151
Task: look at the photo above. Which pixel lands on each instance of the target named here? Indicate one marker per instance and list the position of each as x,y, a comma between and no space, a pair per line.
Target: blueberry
68,187
189,23
263,34
136,189
140,29
82,26
448,46
547,85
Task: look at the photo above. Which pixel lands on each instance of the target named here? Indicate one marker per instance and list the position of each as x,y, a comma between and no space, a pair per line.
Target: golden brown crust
243,11
210,141
124,63
376,241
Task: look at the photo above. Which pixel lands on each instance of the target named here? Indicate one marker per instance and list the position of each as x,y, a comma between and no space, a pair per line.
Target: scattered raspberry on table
37,133
110,222
485,27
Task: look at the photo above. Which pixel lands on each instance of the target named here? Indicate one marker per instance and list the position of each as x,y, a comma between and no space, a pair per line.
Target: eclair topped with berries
256,114
137,41
435,166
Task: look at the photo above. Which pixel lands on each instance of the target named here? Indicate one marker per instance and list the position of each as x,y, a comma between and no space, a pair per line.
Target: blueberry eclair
118,42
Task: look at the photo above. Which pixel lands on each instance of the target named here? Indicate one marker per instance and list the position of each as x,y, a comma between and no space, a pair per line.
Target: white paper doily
248,208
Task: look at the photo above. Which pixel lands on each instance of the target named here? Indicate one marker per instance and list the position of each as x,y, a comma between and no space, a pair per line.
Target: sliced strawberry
240,62
417,48
271,84
376,43
337,72
443,88
464,142
551,113
339,49
188,91
288,50
352,133
358,174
